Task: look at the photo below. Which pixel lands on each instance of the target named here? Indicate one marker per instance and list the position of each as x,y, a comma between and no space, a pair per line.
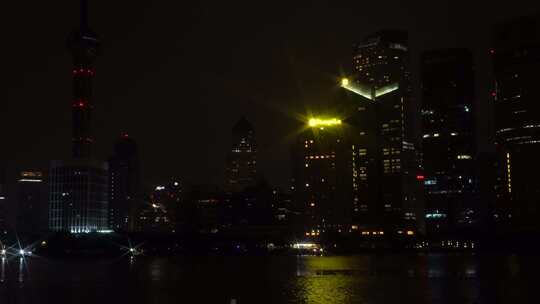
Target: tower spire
84,15
84,47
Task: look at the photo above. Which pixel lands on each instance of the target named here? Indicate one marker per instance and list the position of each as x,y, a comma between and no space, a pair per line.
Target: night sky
176,76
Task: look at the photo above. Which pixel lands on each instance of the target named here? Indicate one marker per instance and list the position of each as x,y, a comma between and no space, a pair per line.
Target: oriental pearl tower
84,46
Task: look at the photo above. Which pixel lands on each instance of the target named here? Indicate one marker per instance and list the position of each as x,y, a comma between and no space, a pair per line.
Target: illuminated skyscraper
242,159
78,187
448,140
124,184
322,175
385,173
516,61
78,196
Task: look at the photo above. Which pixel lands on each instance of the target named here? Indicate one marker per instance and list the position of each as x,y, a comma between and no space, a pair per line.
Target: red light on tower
492,52
79,104
420,177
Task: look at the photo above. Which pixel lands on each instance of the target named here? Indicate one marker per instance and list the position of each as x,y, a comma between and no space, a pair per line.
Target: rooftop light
319,122
367,92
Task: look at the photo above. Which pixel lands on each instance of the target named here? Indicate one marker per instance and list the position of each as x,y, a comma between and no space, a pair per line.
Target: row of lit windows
320,156
373,232
438,134
392,151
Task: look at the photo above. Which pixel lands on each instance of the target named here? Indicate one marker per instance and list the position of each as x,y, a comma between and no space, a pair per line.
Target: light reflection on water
3,271
434,278
21,270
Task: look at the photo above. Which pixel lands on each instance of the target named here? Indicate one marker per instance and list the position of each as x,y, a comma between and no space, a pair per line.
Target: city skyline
215,92
173,152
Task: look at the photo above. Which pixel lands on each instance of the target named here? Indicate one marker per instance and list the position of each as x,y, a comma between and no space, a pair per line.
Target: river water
428,278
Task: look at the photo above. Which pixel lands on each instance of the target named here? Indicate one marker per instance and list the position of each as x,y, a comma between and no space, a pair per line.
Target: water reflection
21,269
332,280
418,279
513,265
156,270
131,263
437,278
3,271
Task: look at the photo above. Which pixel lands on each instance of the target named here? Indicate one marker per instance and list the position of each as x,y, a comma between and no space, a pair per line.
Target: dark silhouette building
448,140
163,209
124,184
242,159
78,187
31,210
516,60
378,106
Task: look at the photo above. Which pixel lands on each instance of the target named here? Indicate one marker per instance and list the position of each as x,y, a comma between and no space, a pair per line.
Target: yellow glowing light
318,122
410,232
368,92
387,89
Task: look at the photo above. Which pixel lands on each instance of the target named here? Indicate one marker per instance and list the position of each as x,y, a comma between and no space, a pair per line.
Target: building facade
164,209
322,176
387,182
515,55
31,211
78,196
242,160
448,139
124,184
